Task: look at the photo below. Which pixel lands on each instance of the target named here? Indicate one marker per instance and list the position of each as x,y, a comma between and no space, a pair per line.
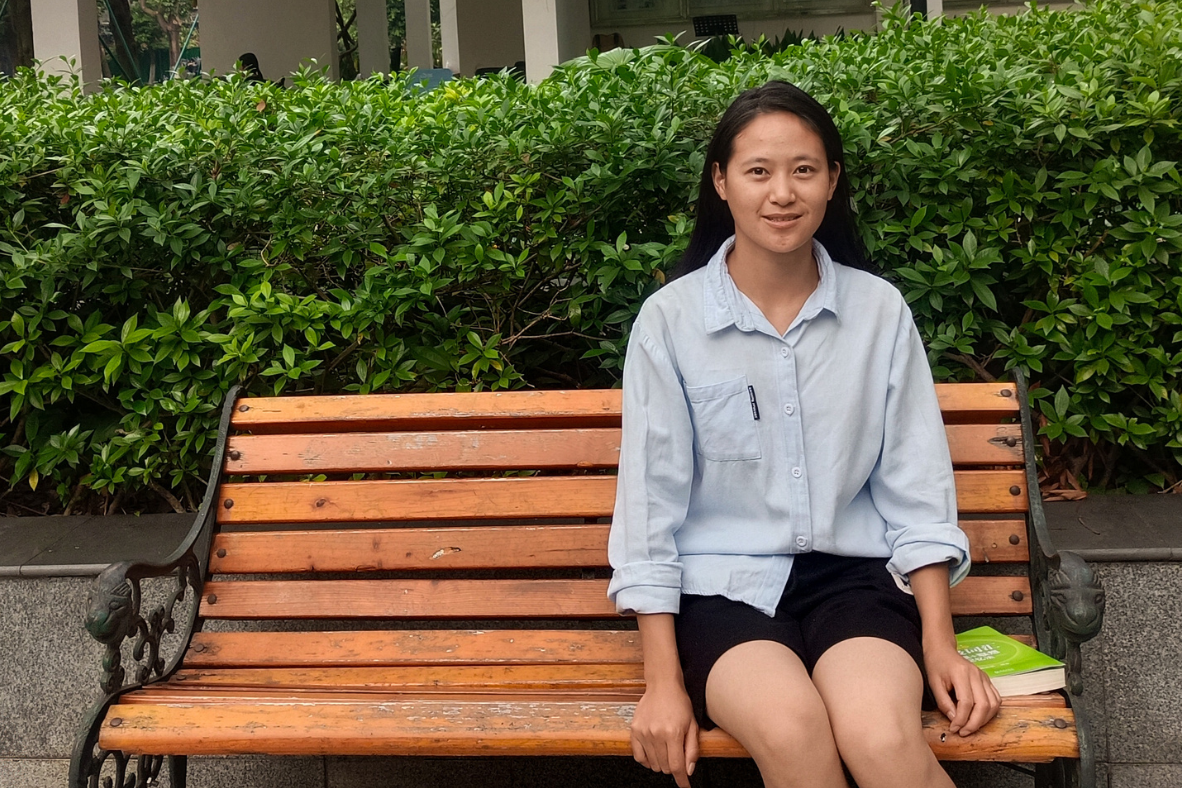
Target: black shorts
827,599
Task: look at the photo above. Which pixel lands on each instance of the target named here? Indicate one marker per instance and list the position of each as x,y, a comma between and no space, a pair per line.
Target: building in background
353,37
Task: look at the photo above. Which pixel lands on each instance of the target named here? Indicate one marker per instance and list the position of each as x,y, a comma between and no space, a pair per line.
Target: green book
1012,666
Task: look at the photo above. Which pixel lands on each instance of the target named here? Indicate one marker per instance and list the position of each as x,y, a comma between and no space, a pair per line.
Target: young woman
785,521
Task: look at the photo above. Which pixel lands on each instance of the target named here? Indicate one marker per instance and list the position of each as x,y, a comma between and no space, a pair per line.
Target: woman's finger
943,699
964,701
996,697
660,753
676,756
638,752
982,708
691,748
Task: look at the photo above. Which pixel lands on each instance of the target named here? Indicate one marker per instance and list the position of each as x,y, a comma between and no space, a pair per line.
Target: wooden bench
313,607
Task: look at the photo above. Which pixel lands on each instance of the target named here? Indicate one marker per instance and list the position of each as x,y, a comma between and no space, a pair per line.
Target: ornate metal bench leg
178,770
1050,775
115,769
93,767
1060,773
1083,771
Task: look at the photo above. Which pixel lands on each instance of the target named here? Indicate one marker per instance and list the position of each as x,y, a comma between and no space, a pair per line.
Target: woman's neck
779,284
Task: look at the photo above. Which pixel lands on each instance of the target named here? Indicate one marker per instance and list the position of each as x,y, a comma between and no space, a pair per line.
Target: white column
480,34
418,34
540,25
449,33
68,29
935,8
282,33
373,38
555,32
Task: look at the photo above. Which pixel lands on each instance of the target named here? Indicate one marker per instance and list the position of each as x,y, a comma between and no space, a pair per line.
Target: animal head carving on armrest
1076,598
111,606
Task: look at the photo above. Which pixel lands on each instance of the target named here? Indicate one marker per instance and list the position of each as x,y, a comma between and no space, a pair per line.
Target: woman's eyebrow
766,160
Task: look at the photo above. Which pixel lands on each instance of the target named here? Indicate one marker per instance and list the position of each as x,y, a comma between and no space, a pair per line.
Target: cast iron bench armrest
113,609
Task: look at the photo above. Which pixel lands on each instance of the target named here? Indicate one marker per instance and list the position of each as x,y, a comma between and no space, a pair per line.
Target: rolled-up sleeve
912,484
655,476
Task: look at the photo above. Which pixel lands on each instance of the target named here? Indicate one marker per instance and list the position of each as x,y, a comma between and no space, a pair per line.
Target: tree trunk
20,23
174,46
126,48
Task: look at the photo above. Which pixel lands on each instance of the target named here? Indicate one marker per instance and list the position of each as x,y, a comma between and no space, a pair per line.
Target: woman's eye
758,171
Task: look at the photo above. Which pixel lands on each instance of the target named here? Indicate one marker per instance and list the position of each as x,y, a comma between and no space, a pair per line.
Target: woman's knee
879,741
796,728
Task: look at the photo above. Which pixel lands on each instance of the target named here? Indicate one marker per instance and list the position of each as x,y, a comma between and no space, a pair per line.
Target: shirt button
784,352
796,472
801,541
789,409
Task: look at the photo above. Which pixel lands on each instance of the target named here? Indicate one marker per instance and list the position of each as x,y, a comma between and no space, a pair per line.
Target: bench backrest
492,509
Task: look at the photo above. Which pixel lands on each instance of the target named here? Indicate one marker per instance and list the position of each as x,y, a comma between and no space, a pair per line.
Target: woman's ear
719,178
834,174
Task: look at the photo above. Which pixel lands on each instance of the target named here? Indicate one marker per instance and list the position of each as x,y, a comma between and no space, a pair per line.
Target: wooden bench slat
213,695
500,727
970,444
345,599
992,596
485,547
468,499
458,547
419,499
509,409
276,599
991,492
424,678
439,411
997,541
426,451
984,399
985,444
418,647
413,647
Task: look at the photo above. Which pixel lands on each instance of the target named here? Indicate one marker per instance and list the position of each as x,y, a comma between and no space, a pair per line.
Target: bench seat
354,720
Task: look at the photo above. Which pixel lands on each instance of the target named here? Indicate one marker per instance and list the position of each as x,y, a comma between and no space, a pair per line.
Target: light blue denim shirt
742,447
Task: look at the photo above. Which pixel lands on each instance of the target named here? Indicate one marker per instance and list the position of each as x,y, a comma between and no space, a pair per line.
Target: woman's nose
782,191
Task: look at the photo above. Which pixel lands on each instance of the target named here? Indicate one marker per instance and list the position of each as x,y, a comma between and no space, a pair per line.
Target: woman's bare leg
873,690
760,693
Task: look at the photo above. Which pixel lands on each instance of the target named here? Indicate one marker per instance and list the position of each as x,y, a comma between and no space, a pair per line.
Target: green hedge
1014,176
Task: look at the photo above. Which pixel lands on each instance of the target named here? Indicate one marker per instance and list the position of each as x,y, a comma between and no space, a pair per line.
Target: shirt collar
725,303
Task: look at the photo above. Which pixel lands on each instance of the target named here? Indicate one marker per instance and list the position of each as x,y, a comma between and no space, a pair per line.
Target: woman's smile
782,219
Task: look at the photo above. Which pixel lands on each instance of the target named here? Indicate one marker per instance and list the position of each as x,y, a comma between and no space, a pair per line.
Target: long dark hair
714,223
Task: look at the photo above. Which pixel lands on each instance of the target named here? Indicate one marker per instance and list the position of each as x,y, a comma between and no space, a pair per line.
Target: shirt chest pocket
724,421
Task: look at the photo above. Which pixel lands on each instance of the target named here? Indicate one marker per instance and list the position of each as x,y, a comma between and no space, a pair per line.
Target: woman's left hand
977,701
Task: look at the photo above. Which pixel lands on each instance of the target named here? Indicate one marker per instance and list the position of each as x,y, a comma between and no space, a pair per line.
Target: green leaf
984,293
1062,402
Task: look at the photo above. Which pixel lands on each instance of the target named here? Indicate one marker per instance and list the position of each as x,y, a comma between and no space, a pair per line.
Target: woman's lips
782,220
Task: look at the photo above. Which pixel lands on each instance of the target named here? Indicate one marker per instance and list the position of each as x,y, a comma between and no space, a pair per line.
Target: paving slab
253,771
987,775
1145,775
34,772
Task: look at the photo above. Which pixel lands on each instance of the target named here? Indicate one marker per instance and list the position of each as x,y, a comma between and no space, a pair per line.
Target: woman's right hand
664,731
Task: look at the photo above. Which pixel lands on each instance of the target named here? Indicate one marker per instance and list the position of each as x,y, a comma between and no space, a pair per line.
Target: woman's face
777,183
